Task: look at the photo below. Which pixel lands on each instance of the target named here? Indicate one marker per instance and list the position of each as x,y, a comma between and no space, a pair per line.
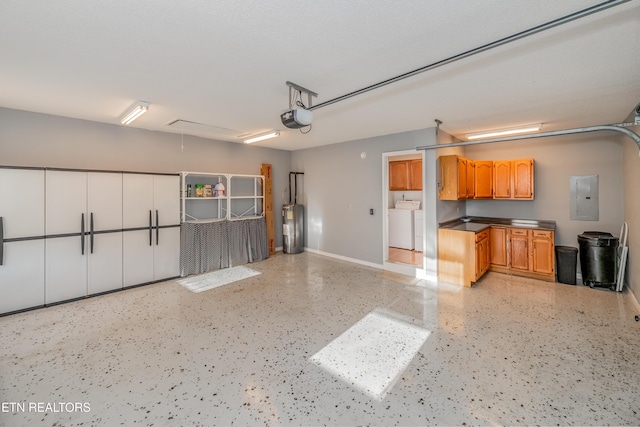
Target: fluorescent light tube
505,132
261,137
136,112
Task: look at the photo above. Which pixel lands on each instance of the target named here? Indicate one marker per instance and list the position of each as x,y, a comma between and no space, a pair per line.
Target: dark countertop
476,224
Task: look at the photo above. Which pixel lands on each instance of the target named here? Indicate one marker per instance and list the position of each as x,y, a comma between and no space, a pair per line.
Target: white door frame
406,269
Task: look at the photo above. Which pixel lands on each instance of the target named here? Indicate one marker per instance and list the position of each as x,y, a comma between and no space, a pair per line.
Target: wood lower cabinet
483,253
498,246
464,256
528,252
405,175
543,252
519,249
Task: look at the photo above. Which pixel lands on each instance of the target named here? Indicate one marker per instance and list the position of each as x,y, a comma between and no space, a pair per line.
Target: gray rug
204,282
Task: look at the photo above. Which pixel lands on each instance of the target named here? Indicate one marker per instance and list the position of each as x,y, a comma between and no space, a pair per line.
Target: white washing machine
401,224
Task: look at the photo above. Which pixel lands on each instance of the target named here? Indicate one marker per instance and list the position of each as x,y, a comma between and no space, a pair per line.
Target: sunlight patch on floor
372,354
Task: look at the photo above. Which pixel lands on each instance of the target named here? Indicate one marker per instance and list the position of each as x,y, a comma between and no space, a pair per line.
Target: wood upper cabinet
453,178
513,179
499,246
542,252
462,178
502,179
519,248
471,176
483,179
415,175
398,175
523,179
405,175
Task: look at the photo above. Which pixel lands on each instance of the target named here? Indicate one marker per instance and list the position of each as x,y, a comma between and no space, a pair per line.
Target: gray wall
556,159
32,139
336,177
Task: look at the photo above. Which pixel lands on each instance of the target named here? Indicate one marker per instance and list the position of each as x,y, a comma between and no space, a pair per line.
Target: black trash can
598,258
566,260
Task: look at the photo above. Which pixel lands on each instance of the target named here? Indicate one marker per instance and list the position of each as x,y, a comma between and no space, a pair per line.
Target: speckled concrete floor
509,351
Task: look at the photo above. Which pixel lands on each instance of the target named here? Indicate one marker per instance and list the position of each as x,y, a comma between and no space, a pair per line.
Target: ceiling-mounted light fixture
504,132
261,136
139,109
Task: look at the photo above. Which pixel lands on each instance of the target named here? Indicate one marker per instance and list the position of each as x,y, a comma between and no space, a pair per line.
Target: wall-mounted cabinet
405,175
483,179
513,179
456,178
242,197
453,182
461,179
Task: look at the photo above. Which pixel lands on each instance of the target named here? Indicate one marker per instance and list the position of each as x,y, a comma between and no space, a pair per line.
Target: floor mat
204,282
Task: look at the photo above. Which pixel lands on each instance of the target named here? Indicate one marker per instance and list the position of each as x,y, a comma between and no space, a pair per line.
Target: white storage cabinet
21,239
84,234
151,222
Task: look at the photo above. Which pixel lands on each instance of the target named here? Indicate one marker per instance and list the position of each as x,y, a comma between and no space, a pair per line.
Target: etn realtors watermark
45,407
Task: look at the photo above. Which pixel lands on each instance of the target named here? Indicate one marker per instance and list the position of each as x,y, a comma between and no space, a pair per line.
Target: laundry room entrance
403,208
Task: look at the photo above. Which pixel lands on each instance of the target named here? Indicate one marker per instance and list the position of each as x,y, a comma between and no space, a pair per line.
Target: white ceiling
224,64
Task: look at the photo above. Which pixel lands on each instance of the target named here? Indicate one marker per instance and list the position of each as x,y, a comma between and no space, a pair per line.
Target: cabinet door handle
150,230
82,234
91,232
157,228
1,241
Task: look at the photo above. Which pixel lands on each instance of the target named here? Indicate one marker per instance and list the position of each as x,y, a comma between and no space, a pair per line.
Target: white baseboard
344,258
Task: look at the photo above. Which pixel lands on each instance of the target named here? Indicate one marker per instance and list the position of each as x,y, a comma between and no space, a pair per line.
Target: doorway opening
403,205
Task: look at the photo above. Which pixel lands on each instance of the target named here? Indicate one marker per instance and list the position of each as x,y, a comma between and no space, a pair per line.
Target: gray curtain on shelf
214,245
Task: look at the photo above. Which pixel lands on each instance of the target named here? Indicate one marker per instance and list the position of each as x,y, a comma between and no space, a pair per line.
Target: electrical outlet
370,211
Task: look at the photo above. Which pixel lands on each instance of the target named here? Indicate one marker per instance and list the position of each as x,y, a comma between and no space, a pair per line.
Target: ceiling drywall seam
522,34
